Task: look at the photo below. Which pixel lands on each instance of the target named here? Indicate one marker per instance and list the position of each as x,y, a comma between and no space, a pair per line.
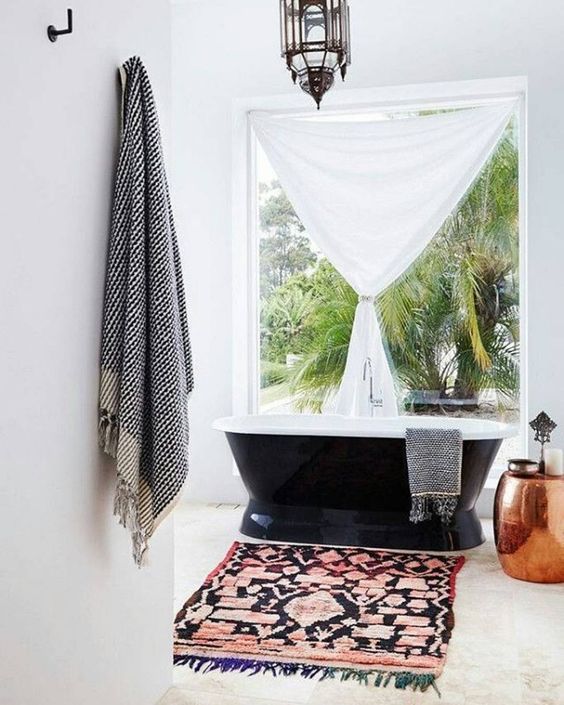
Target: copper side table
529,527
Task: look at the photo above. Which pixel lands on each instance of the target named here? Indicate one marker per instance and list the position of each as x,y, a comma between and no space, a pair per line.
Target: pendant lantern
315,38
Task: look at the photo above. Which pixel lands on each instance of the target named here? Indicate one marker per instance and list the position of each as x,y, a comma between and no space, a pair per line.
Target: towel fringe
424,507
127,510
402,679
108,432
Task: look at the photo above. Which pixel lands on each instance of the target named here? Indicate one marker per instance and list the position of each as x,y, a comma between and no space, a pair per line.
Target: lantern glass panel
334,33
315,58
314,24
299,64
287,25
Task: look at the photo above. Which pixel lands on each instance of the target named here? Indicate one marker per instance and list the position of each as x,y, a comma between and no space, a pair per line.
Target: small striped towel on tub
434,463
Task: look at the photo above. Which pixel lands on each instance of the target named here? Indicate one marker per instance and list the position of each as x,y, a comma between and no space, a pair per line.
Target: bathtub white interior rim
360,427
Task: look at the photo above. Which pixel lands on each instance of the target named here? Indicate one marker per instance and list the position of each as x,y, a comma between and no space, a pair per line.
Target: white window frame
245,240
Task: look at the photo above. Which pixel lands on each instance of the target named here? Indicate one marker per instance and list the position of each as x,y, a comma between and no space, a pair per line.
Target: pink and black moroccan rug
353,613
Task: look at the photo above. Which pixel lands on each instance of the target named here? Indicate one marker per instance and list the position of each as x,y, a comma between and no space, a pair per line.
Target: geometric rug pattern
378,617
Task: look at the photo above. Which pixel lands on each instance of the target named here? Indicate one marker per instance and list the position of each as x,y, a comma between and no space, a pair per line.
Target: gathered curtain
372,193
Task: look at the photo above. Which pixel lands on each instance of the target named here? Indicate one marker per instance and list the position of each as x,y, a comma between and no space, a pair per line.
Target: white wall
79,623
224,50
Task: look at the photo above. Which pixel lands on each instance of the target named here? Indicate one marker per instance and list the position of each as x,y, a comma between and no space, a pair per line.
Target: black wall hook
53,32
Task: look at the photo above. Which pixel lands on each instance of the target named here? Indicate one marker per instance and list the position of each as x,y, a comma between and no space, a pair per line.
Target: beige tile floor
507,647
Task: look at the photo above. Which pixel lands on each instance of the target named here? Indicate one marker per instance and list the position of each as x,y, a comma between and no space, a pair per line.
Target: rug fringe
402,679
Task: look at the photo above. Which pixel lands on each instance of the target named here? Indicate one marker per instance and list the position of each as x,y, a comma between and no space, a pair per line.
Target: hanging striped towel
146,363
434,463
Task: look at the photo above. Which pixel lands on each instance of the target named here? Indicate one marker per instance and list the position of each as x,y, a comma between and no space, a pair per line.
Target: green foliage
283,318
272,373
325,351
284,249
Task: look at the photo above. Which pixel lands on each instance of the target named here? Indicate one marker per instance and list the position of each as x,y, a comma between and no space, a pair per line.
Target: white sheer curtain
372,193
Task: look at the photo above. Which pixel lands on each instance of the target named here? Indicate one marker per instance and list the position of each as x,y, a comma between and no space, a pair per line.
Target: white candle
553,461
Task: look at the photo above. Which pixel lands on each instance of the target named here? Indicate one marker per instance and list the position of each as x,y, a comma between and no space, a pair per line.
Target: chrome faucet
375,401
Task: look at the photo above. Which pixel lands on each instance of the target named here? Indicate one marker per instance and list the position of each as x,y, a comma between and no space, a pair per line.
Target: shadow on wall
103,488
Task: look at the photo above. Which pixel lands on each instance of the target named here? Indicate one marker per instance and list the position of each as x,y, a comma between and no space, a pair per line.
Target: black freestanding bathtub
343,481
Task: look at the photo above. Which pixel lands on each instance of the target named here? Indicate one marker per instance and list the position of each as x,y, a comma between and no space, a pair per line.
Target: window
452,322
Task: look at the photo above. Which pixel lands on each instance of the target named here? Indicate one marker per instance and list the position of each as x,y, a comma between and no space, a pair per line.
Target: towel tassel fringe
424,507
127,510
108,432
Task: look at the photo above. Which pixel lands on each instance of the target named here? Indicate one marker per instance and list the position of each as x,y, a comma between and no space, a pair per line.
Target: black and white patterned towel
434,463
146,364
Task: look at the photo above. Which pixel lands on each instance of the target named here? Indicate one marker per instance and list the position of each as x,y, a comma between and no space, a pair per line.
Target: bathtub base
339,527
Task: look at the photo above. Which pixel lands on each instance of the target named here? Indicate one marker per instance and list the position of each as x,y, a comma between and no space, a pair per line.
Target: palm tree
283,319
451,320
325,352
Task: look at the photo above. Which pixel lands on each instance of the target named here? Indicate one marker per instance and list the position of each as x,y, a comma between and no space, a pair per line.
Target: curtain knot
363,297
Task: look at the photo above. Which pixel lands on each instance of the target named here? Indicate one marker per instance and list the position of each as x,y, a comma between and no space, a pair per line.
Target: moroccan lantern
315,38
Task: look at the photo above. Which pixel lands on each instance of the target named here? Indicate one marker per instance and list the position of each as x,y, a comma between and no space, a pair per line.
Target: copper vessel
529,527
522,466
